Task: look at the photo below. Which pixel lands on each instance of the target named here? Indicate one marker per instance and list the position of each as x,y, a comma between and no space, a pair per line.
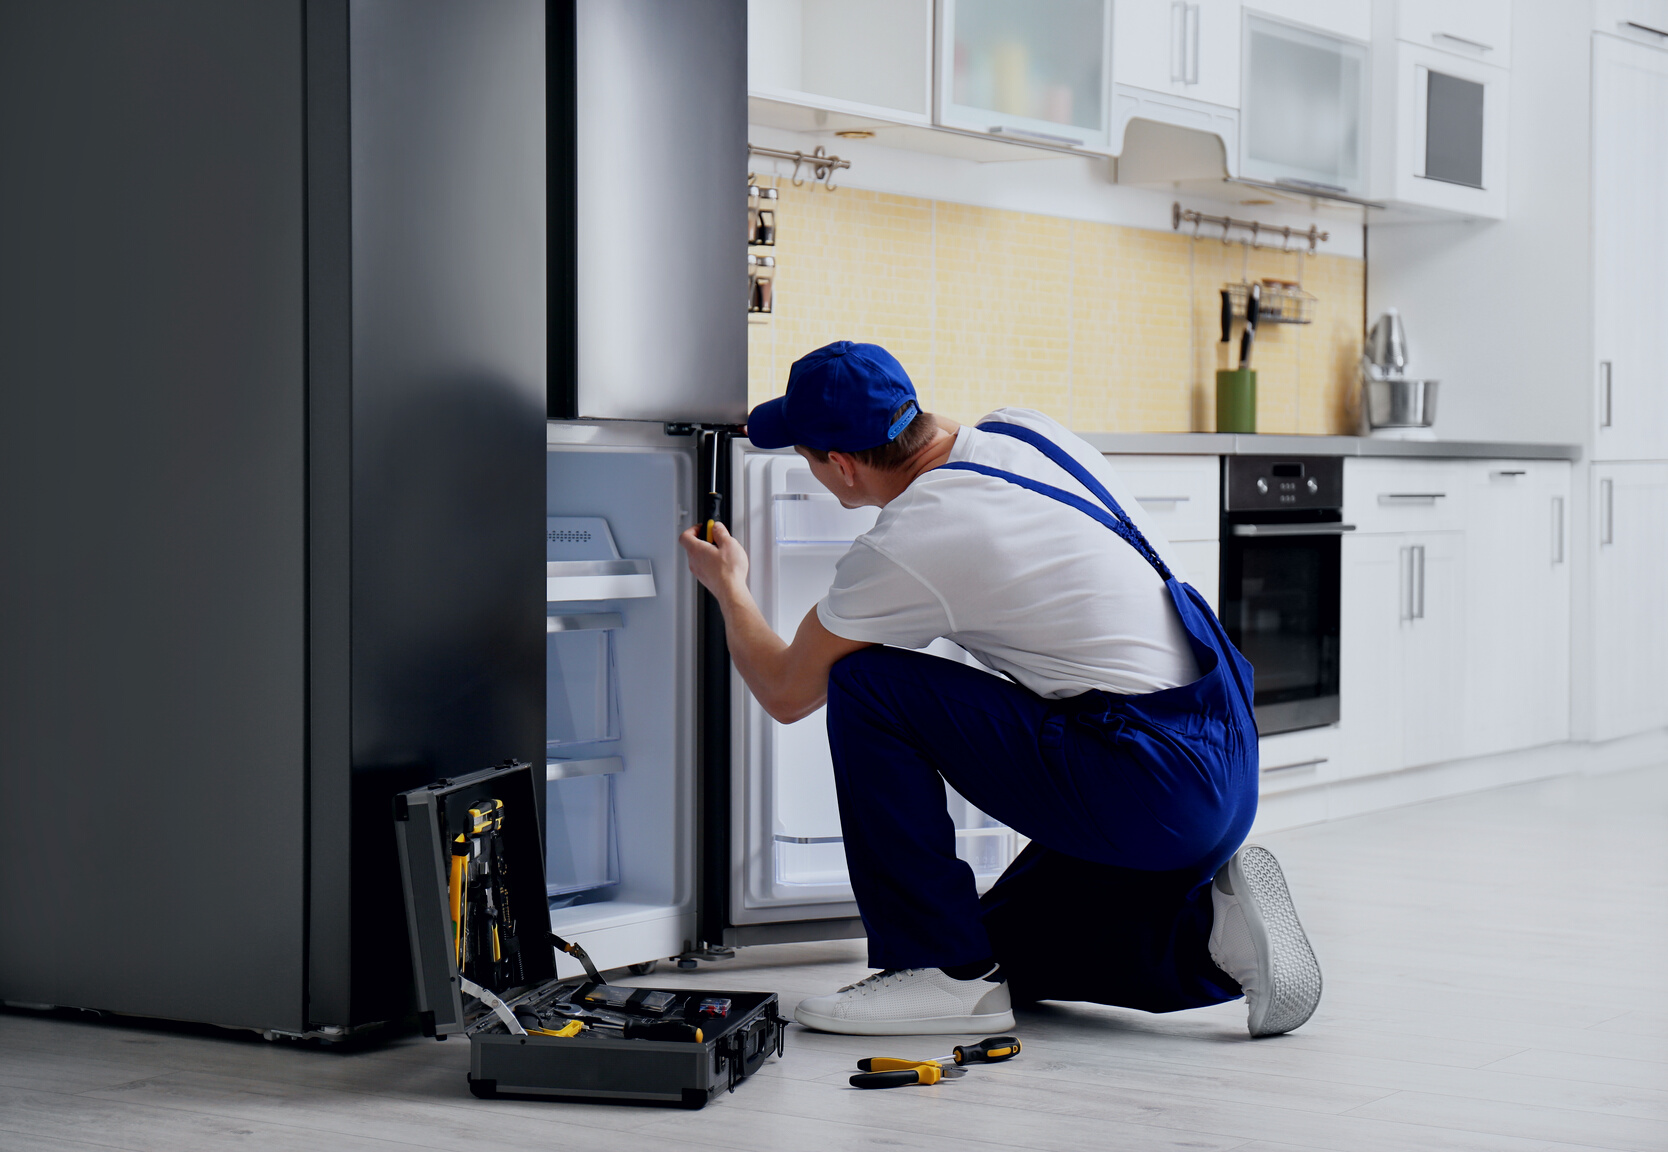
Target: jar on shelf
763,217
761,275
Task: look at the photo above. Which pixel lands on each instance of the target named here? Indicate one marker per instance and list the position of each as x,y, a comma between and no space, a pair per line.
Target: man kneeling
1119,737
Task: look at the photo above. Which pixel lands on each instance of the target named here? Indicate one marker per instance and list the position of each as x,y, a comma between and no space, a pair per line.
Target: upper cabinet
1645,21
863,57
1303,116
1441,96
1176,63
1032,69
1351,19
1476,29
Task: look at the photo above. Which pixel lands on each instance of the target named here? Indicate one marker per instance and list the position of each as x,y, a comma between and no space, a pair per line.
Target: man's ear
846,466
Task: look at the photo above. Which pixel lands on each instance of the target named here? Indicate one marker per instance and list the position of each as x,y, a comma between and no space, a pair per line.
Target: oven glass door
1280,607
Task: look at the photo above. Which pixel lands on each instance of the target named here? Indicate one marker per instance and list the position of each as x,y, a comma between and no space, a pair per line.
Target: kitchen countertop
1237,444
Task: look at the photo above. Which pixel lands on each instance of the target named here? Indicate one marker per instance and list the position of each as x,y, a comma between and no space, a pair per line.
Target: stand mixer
1394,405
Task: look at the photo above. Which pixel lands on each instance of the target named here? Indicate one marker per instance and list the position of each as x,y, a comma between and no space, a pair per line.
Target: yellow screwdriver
891,1072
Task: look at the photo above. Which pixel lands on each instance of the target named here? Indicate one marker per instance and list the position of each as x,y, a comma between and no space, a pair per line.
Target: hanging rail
1180,216
822,165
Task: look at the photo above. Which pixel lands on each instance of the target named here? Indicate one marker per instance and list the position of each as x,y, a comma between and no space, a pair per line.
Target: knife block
1236,400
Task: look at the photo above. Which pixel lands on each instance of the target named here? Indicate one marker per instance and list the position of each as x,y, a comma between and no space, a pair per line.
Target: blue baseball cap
844,397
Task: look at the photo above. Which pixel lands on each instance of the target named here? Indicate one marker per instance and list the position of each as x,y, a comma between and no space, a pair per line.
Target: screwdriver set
485,964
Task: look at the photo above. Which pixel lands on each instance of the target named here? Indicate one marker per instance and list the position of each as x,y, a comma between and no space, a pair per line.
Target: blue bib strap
1123,528
1061,457
1123,525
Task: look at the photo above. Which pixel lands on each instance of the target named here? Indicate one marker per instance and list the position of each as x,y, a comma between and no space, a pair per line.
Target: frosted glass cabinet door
1025,67
859,56
1303,119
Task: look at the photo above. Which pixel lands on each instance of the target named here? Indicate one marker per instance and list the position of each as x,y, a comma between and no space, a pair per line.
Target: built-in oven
1282,523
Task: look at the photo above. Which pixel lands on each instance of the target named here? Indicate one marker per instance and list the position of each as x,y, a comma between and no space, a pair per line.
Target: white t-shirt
1029,585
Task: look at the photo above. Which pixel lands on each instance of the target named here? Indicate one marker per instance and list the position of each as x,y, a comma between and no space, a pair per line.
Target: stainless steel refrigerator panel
661,137
447,453
153,471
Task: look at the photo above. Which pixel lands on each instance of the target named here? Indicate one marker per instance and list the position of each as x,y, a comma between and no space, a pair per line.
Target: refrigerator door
788,877
654,168
619,772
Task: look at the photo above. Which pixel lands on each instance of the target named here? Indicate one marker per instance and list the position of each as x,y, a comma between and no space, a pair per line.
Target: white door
1372,603
1630,606
1183,48
1517,605
1433,647
1630,250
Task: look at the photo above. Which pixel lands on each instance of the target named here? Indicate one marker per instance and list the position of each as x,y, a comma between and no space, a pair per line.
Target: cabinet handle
1419,583
1607,511
1404,584
1391,498
1604,393
1477,44
1511,472
1193,21
1557,529
1645,28
1178,41
1162,499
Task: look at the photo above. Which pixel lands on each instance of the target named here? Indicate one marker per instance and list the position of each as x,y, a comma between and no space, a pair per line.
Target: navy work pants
1110,902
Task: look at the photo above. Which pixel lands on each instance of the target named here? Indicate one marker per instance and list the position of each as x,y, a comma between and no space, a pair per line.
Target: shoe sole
990,1023
1283,951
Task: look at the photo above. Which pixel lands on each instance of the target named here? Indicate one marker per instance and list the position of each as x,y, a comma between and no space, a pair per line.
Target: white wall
1498,311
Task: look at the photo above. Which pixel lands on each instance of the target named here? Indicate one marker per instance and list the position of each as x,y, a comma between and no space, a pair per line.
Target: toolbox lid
505,835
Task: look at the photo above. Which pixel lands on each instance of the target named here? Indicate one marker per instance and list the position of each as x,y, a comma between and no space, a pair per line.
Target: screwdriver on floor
891,1072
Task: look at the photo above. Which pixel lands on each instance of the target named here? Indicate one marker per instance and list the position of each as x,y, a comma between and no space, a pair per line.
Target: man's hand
789,680
720,566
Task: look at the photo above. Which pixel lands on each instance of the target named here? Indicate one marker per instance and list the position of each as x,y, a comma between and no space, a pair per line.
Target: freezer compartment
619,719
791,860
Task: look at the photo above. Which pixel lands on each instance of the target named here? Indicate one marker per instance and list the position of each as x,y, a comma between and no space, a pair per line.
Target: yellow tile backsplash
1105,328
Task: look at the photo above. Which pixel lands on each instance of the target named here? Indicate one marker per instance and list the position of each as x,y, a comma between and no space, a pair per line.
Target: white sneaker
912,1002
1256,938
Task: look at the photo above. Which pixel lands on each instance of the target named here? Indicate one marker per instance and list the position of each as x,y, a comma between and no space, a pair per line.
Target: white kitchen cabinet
1025,70
1402,637
1183,48
1630,250
1517,605
866,57
1479,29
1371,599
1439,130
1352,19
1643,20
1630,598
1303,114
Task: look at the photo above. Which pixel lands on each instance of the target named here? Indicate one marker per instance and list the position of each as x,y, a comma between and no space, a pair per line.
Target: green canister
1236,400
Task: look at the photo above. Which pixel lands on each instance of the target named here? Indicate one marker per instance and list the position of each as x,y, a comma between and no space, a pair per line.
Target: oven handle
1292,529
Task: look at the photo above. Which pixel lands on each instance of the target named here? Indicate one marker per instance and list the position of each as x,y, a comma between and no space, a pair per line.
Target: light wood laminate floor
1494,981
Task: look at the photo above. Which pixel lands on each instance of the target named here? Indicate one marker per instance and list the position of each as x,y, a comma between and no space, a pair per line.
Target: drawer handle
1645,28
1315,763
1477,44
1511,472
1162,499
1424,498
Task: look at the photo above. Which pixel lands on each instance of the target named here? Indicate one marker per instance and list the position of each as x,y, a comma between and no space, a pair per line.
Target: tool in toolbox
485,963
892,1072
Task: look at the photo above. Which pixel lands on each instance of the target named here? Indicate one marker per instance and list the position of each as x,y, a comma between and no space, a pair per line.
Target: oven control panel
1281,483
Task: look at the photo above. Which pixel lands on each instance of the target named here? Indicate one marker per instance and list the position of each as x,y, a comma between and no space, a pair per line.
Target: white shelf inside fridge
567,580
594,766
819,518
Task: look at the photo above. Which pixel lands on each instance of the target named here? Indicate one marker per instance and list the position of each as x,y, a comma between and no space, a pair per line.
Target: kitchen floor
1495,980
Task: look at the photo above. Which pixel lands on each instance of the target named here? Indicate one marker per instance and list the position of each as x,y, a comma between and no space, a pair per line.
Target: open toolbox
485,966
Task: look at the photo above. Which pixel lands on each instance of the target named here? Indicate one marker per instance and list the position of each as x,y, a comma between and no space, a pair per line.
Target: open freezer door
788,878
619,776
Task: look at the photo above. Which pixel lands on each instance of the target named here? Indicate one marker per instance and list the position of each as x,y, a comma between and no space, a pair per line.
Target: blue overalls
1131,803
